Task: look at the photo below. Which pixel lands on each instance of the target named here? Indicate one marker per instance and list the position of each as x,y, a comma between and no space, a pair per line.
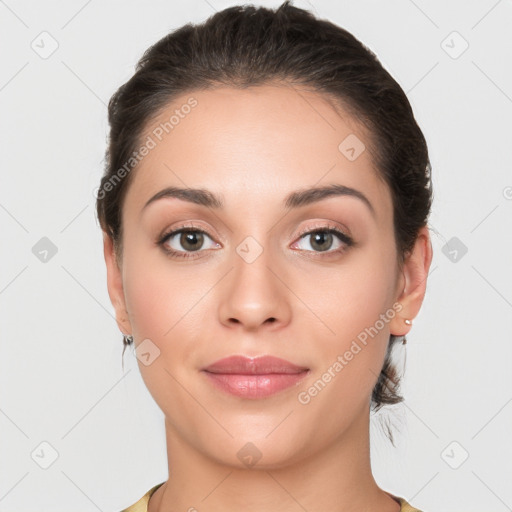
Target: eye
322,240
184,240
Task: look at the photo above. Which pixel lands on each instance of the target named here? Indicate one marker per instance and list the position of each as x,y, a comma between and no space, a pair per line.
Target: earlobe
415,273
115,285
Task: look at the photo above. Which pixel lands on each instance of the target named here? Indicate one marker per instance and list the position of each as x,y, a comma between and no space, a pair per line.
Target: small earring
407,321
127,339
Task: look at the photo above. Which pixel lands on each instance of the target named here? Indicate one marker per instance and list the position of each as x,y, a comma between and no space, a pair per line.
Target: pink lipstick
253,378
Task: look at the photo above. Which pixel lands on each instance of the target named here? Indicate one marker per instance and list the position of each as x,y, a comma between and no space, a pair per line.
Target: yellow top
142,504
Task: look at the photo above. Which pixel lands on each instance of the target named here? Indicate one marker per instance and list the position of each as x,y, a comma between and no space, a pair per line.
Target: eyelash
190,228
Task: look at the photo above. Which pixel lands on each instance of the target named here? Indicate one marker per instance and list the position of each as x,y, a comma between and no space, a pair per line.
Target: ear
115,285
413,283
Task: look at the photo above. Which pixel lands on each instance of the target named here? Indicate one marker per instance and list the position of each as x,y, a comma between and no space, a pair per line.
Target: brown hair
245,46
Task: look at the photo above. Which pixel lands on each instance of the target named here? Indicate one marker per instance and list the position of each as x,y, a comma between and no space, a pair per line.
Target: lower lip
255,386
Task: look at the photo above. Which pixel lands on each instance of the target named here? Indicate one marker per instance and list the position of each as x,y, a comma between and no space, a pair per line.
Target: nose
254,295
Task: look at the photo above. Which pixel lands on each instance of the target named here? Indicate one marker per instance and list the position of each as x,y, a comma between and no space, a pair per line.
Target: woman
264,210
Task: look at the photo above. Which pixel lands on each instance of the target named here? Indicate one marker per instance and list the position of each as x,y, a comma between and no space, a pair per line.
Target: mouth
254,378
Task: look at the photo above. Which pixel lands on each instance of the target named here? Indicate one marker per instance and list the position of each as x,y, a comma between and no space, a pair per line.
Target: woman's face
254,284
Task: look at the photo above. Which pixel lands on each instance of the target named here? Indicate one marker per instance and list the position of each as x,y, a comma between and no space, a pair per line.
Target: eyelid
346,242
187,226
308,230
326,226
321,226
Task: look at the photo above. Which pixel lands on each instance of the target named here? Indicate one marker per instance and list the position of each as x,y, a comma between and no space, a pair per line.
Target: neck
336,479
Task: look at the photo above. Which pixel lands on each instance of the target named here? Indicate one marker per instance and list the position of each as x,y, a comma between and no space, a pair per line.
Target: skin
253,147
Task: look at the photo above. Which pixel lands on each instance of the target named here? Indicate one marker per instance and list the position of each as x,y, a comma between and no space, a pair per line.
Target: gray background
64,394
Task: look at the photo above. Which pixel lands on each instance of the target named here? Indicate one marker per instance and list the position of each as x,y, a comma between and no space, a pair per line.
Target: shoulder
405,507
142,504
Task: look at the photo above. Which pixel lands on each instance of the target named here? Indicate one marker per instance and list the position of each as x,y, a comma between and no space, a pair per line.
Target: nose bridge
253,295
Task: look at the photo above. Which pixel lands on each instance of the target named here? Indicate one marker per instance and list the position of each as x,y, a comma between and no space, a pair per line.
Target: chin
257,449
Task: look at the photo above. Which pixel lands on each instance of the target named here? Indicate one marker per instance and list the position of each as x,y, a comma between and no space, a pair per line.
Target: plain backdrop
79,433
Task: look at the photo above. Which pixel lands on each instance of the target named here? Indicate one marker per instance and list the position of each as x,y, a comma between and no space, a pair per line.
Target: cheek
168,304
358,310
350,298
155,291
354,303
164,306
160,301
148,303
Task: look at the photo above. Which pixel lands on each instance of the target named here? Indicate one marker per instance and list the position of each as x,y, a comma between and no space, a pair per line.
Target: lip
254,378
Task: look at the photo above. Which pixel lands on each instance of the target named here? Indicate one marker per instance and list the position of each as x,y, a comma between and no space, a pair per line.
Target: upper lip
262,365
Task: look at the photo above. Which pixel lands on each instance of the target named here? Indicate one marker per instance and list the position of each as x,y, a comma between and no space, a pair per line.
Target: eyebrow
296,199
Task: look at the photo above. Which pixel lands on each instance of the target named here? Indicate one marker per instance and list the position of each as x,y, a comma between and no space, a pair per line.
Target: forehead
255,145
